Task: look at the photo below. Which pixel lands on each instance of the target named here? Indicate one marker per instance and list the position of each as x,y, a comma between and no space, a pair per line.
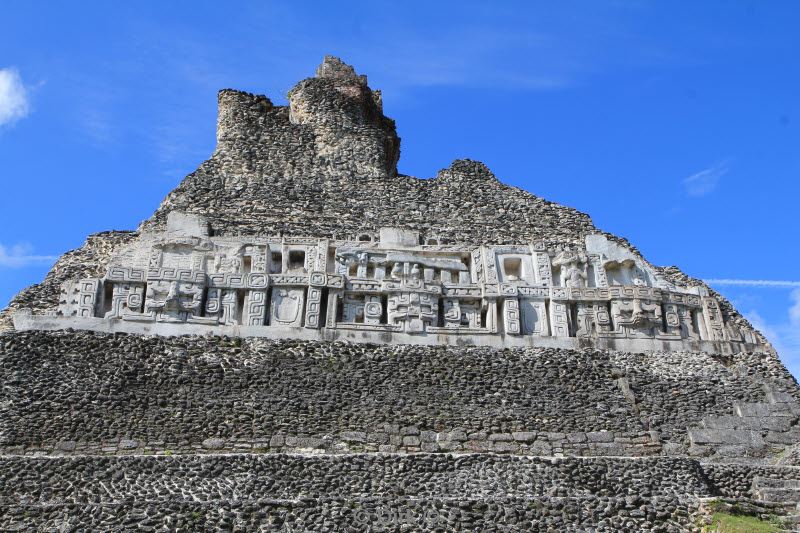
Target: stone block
779,397
185,224
505,447
782,437
392,429
449,446
600,436
378,438
607,448
725,437
353,436
427,436
213,443
277,441
760,410
524,436
576,437
66,446
126,444
310,442
411,440
478,445
500,437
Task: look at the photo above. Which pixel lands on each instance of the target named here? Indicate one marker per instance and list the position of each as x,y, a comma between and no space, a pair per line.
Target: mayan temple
302,339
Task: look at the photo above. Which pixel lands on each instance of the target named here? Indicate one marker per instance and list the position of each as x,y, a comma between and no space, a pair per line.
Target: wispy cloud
784,335
705,181
19,255
14,103
754,282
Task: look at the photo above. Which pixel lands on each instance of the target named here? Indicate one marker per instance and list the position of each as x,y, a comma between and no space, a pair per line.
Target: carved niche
286,306
461,314
126,298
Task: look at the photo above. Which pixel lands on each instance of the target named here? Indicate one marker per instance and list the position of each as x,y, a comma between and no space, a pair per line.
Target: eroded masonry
506,365
392,285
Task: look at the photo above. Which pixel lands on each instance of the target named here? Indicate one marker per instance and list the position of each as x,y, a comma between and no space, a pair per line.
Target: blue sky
674,124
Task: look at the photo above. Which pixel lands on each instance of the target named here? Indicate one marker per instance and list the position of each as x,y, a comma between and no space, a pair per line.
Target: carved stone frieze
396,285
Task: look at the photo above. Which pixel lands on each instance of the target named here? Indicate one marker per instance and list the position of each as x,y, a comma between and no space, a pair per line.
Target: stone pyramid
302,339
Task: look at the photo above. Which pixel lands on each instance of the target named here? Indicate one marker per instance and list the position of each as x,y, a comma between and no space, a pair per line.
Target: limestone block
600,436
353,436
761,410
524,436
398,237
727,437
185,224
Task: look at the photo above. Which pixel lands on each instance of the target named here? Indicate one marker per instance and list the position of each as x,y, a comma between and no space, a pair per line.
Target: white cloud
705,181
19,255
755,283
14,103
785,335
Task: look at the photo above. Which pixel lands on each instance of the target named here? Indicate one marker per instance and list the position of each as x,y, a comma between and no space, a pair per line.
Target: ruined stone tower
302,339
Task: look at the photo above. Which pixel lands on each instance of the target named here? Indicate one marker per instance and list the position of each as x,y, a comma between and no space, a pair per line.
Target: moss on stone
735,523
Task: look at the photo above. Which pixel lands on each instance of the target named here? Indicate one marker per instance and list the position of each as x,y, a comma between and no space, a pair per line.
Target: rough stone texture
354,492
121,432
90,260
392,287
98,393
359,491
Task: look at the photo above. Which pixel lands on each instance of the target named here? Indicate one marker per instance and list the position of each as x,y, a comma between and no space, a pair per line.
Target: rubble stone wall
485,492
75,392
353,493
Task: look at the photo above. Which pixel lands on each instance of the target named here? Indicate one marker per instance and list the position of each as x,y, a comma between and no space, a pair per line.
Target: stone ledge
598,444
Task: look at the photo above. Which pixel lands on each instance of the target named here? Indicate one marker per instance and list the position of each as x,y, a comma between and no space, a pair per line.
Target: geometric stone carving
511,316
544,269
126,298
313,305
79,298
715,326
396,287
559,319
254,310
412,310
461,314
591,320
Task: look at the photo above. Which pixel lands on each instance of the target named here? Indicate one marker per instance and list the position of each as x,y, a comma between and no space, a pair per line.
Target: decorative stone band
395,291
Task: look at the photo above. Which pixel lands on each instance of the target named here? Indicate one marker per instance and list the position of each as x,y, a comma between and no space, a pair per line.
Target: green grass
731,523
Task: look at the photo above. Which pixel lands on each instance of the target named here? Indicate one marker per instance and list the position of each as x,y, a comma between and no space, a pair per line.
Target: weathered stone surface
485,327
405,289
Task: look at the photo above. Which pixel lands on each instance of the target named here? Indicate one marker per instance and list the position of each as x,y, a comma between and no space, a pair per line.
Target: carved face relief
412,310
173,297
636,316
